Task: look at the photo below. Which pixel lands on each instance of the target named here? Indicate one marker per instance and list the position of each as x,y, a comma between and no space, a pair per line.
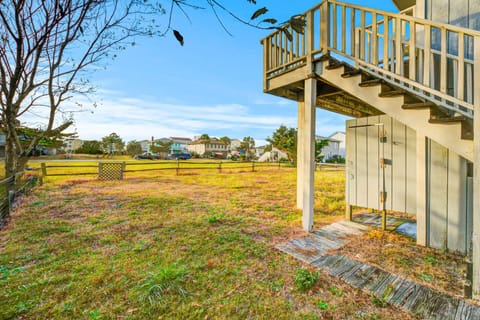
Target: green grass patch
165,246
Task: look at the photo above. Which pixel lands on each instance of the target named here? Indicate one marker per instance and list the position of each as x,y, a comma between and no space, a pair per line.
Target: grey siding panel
387,154
362,163
438,195
457,205
398,166
373,163
350,159
469,226
449,194
411,171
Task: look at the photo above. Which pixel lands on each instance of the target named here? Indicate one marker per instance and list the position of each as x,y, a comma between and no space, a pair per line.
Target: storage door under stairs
381,165
381,174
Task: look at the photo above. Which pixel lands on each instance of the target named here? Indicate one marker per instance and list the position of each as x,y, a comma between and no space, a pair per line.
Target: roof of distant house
180,139
211,141
327,138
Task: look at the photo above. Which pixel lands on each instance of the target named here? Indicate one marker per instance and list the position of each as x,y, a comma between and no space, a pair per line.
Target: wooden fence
115,170
9,188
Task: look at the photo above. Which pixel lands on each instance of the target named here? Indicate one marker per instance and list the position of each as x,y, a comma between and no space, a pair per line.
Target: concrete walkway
420,300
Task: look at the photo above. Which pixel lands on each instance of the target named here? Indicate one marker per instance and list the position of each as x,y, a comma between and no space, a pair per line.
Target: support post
301,124
476,173
421,167
308,144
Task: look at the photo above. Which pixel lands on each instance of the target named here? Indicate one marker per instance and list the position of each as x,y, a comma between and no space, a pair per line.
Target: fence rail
51,170
71,169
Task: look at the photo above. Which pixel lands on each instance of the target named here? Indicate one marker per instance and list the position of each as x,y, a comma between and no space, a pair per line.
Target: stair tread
392,93
351,73
335,65
447,119
419,105
370,83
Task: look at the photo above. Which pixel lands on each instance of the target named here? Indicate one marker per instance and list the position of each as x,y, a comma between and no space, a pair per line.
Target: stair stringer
448,135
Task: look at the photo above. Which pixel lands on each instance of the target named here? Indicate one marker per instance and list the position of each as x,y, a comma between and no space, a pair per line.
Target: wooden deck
420,300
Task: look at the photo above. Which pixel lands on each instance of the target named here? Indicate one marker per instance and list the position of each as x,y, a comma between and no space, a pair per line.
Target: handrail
435,61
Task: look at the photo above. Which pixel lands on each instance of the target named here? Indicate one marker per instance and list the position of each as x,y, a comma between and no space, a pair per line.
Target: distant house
179,145
340,136
235,144
258,151
145,145
213,147
335,147
72,144
273,155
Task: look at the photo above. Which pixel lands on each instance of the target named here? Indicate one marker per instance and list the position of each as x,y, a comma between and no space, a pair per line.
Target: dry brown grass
400,255
95,250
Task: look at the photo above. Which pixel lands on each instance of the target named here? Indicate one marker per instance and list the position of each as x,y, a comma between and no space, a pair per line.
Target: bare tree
47,49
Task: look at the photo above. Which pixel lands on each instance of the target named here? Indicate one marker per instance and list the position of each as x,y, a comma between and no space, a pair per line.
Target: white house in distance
235,144
179,145
273,155
72,144
335,147
213,147
145,144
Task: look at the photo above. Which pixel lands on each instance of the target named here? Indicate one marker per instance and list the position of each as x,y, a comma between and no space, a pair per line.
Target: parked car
146,155
180,156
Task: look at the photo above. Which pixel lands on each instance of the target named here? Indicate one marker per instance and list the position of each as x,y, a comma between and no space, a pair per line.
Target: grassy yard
160,246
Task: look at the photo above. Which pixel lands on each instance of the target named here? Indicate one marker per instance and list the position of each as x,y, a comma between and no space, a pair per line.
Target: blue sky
213,84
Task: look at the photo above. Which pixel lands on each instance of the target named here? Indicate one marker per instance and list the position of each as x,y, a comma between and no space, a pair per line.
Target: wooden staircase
438,114
453,131
383,63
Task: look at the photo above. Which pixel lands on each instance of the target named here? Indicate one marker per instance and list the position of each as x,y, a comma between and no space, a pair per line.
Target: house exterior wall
179,145
331,149
73,144
340,136
448,182
196,148
461,13
207,148
145,144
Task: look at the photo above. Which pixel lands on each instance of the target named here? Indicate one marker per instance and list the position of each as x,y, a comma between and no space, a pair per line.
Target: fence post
44,169
279,164
11,198
220,167
100,168
253,166
124,166
178,167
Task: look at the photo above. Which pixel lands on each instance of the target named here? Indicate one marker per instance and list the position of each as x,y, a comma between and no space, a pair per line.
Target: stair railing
435,61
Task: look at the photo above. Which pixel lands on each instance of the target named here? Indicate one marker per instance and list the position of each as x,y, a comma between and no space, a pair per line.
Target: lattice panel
110,171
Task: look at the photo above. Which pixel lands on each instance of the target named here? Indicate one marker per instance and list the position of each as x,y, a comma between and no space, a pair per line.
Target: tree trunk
10,156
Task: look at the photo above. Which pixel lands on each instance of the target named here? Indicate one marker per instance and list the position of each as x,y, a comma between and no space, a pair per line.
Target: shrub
168,279
305,279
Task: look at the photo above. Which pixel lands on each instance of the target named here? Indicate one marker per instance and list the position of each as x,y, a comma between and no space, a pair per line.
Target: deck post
476,174
301,124
421,199
308,145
